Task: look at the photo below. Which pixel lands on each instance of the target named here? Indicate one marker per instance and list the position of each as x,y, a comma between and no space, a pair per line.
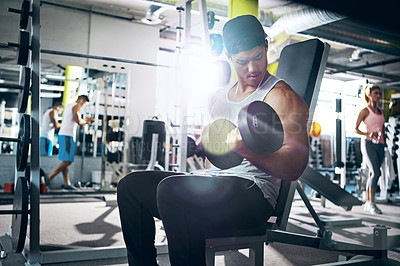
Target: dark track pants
373,154
192,208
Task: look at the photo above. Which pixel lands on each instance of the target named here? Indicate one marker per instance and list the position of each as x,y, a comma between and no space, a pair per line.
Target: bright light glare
203,80
194,83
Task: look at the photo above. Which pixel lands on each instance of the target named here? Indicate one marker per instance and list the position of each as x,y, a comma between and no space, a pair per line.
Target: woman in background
373,145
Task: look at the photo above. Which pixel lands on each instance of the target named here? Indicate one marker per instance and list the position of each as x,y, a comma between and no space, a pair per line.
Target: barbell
19,214
24,88
261,130
23,140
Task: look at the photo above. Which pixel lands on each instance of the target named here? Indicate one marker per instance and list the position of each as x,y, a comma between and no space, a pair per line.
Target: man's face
59,109
250,65
82,102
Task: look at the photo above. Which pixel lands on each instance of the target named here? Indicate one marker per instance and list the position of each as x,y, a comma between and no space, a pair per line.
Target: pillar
71,86
242,7
238,8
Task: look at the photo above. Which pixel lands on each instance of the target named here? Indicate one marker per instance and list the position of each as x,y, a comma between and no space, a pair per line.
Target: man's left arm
54,119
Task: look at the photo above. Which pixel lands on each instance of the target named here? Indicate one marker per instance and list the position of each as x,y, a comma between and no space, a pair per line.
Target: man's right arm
77,117
291,159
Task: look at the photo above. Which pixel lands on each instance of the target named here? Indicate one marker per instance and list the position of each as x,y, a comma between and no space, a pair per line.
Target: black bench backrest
302,66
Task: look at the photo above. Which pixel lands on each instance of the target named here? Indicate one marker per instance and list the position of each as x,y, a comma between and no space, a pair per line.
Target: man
71,119
48,125
196,207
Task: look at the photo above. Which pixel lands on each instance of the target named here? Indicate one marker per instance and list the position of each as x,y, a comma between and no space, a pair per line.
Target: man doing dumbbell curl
194,207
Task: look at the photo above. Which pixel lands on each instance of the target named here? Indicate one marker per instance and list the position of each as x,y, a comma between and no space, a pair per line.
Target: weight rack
34,223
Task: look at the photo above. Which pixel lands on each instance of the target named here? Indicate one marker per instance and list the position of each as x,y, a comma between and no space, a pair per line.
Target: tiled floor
93,224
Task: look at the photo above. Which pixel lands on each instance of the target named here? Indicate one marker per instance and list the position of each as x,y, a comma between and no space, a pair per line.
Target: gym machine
389,184
28,130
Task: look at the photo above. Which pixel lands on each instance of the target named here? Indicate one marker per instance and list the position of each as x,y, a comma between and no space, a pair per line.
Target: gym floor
88,222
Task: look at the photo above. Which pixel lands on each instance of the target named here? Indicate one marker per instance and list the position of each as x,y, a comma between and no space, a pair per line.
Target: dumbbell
211,19
261,130
23,140
23,87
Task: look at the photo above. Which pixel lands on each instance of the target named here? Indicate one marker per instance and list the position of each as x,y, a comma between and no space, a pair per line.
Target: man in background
47,128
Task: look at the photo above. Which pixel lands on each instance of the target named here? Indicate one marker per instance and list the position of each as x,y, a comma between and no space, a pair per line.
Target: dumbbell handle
11,86
13,44
13,10
9,139
2,212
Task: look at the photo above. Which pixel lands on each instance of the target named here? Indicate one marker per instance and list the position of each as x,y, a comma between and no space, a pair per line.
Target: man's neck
243,88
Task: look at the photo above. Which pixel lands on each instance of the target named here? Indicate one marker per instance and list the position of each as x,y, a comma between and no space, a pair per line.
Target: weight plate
261,128
23,49
24,136
216,43
210,19
24,18
19,222
213,141
23,95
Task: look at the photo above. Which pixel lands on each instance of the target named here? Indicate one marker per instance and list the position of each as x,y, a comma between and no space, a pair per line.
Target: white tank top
47,127
68,125
225,108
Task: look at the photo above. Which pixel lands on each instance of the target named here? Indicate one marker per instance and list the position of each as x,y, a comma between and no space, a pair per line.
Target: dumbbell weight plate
24,135
23,49
216,43
261,128
24,13
19,221
23,94
24,18
210,19
213,141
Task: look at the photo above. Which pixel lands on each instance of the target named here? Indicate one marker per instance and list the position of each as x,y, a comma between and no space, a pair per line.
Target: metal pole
104,137
126,121
96,120
314,215
205,37
182,59
34,243
2,114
